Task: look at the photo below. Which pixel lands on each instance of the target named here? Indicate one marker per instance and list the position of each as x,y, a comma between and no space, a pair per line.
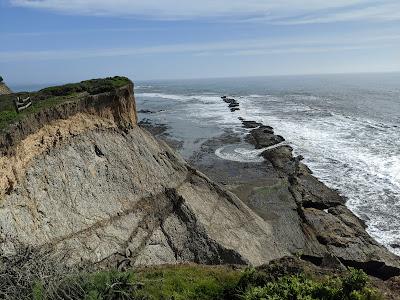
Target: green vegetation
171,282
92,87
187,282
204,282
52,96
353,286
1,79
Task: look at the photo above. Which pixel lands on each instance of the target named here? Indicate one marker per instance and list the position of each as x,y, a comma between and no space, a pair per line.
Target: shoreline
311,219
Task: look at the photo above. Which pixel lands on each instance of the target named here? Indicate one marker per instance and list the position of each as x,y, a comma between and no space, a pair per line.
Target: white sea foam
236,153
256,96
356,155
164,96
200,98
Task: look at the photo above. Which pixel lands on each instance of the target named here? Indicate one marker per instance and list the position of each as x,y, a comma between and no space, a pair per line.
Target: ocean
347,127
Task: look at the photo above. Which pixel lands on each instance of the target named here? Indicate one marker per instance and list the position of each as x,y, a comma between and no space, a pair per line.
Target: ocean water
346,126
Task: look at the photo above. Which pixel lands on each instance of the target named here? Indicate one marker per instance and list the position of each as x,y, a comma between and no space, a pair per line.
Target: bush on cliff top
92,87
53,96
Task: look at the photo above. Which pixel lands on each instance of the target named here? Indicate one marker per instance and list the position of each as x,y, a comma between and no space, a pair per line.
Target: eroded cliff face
84,179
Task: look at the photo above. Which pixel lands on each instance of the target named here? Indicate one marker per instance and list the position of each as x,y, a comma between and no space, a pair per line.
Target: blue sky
53,41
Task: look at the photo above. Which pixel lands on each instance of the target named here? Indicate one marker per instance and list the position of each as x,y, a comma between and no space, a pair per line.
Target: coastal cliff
80,178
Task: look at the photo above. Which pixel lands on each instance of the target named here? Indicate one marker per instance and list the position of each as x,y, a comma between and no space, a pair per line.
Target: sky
56,41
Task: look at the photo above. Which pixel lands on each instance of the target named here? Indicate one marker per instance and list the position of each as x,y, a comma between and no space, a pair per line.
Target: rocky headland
81,179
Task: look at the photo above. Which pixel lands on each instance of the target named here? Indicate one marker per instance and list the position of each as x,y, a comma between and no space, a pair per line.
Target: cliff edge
80,178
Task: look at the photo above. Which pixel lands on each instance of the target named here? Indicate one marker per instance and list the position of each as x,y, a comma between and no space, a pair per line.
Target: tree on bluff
1,79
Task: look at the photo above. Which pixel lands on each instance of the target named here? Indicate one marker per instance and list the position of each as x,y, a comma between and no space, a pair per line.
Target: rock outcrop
233,103
308,219
84,179
327,226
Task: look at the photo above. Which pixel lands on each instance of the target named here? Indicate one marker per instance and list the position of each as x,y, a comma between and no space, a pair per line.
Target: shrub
31,273
169,282
352,287
293,287
37,274
356,280
101,285
92,86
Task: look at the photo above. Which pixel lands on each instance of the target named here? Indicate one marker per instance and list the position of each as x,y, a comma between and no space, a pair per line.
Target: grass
53,96
187,282
205,282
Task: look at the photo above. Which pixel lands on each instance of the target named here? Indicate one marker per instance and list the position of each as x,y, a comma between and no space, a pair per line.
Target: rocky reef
327,226
309,219
82,178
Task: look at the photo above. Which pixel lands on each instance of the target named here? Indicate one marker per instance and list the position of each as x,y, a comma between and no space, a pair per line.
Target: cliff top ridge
54,96
110,98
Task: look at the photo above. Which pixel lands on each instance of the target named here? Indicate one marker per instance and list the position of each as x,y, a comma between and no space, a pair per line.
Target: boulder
264,136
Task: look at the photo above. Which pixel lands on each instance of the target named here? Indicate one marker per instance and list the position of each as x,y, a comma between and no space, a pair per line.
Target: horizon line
15,86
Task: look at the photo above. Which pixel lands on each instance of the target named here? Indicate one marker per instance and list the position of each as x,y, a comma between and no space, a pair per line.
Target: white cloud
233,47
79,32
279,11
377,12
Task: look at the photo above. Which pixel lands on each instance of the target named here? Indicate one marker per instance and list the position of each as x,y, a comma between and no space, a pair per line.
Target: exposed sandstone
87,180
117,106
112,197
